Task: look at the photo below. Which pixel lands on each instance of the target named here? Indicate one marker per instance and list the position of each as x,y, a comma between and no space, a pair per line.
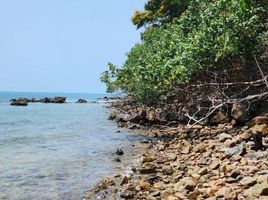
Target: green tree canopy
208,35
159,11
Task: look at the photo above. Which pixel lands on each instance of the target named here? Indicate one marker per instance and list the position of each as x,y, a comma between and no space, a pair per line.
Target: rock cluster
197,162
25,101
128,112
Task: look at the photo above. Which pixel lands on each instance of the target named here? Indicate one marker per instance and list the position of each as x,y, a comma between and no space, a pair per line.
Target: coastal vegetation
203,63
184,42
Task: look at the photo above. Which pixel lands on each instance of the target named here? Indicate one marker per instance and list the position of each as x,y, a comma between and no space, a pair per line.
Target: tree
157,12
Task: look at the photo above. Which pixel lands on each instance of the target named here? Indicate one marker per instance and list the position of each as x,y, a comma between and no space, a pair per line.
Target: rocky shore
226,161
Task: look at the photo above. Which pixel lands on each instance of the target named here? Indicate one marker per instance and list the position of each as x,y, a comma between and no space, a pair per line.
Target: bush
208,35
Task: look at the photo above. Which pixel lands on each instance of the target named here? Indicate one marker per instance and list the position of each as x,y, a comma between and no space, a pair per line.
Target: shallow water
55,151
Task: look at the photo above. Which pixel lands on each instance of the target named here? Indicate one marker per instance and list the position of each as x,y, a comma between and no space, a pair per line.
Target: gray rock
127,194
238,150
224,136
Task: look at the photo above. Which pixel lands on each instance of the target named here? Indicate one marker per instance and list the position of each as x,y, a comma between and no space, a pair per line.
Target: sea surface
56,151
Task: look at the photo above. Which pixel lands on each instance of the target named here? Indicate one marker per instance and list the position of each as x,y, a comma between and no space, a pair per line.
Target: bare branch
264,78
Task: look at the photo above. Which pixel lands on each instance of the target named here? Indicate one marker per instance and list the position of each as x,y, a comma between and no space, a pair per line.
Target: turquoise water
55,151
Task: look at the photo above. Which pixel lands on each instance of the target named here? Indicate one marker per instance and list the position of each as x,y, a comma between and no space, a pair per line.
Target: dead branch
229,101
251,83
264,79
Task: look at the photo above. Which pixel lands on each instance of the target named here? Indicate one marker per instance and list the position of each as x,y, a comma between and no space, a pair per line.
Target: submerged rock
119,152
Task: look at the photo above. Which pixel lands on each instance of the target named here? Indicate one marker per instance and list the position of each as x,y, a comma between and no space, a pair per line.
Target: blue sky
63,45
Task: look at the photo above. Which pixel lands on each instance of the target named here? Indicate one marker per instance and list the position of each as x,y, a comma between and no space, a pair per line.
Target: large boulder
122,118
59,100
19,102
81,101
112,115
239,112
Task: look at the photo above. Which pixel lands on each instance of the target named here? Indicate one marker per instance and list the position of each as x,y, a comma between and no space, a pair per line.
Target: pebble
218,163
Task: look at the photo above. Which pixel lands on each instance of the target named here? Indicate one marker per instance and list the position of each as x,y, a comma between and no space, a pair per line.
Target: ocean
56,151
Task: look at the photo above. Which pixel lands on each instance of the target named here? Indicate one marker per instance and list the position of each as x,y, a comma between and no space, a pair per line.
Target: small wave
8,123
20,140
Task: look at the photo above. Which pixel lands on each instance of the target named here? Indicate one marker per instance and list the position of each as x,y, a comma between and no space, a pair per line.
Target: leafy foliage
208,34
159,12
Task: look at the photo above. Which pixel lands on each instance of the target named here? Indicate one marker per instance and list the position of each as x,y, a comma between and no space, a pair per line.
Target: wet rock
117,159
119,152
81,101
134,126
53,100
59,100
19,102
112,115
238,150
122,124
145,141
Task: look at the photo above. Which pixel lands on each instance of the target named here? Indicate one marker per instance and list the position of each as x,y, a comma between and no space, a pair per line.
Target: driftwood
225,94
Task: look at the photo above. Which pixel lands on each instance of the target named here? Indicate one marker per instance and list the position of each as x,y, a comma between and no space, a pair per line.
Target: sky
63,45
